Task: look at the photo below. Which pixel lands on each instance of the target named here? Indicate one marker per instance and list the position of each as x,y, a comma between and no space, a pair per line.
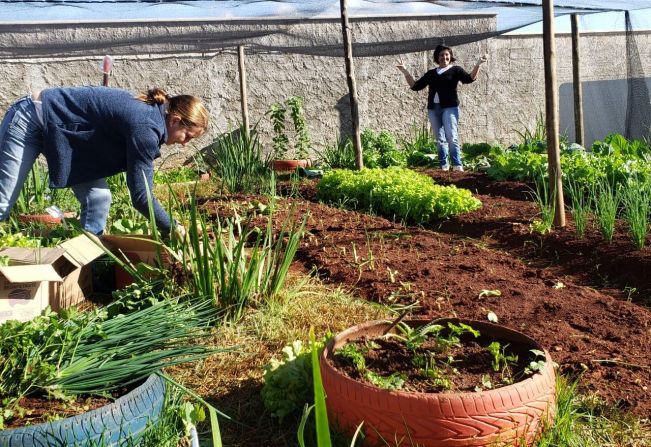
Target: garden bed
446,267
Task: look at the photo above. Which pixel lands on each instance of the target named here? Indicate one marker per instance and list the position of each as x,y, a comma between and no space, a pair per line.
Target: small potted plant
447,382
38,203
277,113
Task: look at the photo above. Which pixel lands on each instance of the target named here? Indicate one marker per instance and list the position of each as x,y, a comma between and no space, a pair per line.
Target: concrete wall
508,95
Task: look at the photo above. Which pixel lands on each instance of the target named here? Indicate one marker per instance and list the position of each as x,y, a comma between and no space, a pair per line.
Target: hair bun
157,95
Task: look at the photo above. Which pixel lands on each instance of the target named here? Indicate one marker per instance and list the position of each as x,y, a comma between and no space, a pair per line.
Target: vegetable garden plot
587,331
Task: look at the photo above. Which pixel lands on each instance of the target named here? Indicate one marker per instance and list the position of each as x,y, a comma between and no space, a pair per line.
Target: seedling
537,364
502,362
393,382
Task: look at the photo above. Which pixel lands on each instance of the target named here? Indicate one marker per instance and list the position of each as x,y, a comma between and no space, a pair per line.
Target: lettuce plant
396,193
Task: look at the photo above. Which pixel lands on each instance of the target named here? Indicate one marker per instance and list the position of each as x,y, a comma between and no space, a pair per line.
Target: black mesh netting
152,27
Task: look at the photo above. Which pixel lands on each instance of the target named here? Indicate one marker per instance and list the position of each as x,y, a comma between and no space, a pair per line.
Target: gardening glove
482,59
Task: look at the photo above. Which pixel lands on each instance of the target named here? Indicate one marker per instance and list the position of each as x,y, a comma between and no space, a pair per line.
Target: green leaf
322,426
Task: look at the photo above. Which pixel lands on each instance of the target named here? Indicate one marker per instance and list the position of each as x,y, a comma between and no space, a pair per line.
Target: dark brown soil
463,367
35,410
583,300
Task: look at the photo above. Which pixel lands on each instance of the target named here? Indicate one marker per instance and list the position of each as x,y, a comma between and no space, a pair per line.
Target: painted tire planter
289,165
44,218
503,416
108,426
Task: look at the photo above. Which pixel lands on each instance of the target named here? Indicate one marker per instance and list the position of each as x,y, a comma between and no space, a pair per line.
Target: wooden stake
243,89
551,114
352,86
576,82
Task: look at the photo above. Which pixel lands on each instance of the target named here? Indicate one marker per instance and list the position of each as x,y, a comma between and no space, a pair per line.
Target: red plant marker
106,69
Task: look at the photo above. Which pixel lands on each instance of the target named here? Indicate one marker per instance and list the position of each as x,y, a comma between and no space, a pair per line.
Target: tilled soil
583,300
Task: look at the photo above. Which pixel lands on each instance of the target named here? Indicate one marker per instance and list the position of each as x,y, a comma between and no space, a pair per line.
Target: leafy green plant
302,144
129,226
380,150
236,157
280,140
277,113
338,155
288,382
420,148
178,175
501,361
395,193
354,354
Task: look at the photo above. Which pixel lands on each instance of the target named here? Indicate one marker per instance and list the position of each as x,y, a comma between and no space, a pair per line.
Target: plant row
396,193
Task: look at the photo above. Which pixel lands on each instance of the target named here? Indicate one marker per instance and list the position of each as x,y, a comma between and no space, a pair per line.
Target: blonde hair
188,108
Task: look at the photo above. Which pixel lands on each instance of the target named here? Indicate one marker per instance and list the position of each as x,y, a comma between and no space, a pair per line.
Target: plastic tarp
510,14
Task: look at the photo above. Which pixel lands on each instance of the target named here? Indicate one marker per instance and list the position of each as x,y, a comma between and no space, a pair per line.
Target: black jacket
444,84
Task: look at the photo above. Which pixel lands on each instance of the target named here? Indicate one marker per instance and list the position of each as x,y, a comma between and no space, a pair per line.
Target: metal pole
243,93
576,82
551,114
352,86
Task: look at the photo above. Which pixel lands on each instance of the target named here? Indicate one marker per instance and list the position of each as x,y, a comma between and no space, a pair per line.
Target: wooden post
352,86
551,114
243,93
576,82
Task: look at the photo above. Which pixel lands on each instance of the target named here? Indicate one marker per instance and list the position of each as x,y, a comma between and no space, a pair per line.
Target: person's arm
140,178
408,76
475,70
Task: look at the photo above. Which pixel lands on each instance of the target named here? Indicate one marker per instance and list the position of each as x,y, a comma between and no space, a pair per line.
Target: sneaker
457,168
445,168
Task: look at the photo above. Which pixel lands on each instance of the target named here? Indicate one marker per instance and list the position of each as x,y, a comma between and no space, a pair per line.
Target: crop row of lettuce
396,193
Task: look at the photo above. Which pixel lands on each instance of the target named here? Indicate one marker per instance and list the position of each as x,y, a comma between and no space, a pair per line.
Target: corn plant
237,158
579,205
606,200
637,208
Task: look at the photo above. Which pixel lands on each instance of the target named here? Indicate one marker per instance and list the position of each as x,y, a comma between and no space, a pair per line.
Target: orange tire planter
44,218
289,165
503,416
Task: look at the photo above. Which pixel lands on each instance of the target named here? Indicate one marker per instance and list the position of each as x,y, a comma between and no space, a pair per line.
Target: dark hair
439,49
188,108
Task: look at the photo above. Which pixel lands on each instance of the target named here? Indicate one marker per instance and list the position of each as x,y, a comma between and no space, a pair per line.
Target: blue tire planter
107,426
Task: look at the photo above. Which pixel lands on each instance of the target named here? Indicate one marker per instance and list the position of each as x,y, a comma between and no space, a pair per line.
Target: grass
586,421
232,381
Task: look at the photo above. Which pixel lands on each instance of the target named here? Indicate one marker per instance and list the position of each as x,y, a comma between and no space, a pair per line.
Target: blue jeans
21,142
445,122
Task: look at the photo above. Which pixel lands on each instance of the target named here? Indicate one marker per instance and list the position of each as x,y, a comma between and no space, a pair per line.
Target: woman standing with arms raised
443,102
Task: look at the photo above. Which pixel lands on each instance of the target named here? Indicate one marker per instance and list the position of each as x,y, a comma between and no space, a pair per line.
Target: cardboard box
25,290
70,261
